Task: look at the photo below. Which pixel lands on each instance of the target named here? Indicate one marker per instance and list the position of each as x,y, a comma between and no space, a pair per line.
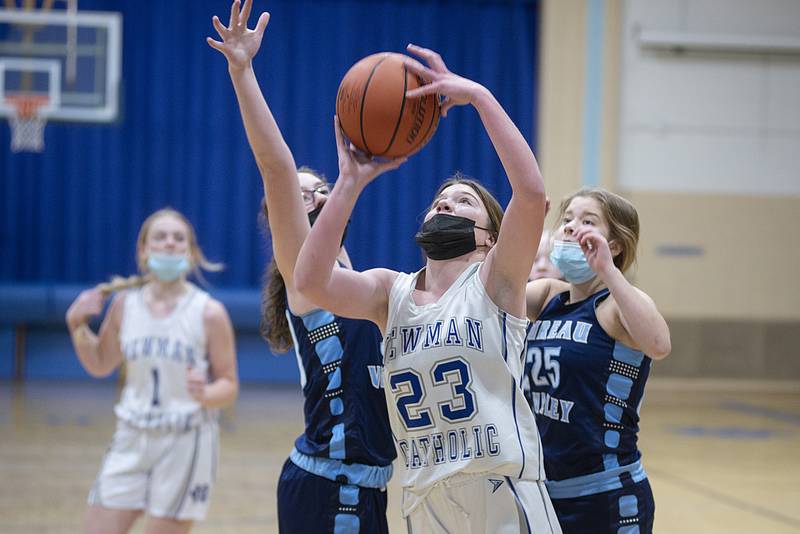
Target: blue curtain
72,213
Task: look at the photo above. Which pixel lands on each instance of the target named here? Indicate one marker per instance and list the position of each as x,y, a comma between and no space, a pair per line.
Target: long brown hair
274,326
623,222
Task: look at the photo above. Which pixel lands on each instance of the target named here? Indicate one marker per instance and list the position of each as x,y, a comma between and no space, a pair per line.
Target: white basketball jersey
158,353
452,381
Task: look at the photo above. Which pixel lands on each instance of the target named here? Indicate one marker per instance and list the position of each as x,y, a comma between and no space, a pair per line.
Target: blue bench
34,342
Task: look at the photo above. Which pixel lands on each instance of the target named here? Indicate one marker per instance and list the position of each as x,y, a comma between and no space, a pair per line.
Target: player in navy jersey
589,353
336,475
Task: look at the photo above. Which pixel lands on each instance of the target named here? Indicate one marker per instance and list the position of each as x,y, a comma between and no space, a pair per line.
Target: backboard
69,58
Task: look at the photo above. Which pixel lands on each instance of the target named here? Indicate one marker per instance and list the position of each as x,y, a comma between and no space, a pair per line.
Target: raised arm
99,353
509,262
362,295
633,310
287,216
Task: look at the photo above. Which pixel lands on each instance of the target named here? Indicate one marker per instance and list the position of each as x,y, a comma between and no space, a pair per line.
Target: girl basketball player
453,332
589,355
342,462
180,361
542,265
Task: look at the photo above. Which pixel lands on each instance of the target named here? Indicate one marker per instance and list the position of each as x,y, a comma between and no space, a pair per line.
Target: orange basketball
376,115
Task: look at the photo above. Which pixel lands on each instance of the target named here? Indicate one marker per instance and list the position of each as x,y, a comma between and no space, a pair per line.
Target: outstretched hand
239,44
458,91
355,165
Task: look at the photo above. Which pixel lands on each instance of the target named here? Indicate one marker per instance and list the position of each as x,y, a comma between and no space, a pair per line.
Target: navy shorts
629,510
310,503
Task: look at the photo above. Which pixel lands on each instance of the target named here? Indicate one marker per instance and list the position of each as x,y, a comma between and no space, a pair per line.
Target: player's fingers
263,20
422,90
433,59
221,30
234,20
445,106
415,67
586,240
245,14
215,44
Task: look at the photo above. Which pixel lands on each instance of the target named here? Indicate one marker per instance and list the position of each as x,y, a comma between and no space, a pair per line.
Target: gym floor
721,459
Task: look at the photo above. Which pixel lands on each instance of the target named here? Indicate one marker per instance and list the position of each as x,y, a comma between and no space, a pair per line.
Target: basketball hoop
28,122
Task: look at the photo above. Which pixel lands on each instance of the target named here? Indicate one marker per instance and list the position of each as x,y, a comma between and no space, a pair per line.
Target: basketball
374,112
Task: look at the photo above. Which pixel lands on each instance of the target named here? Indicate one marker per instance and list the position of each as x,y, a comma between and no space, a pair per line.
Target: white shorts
167,474
490,504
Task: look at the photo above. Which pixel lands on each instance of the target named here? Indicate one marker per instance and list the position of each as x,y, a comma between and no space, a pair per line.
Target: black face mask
444,236
312,218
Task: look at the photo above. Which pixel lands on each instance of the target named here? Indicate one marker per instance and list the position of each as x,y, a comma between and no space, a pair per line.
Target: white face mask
167,267
569,259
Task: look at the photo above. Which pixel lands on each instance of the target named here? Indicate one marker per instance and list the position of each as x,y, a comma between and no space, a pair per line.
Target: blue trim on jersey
505,341
519,504
516,424
619,386
316,318
348,495
334,380
366,476
330,350
336,445
628,506
346,524
595,483
613,413
627,355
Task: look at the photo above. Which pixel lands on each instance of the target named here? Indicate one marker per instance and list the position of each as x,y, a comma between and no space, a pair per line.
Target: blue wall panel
258,364
49,355
6,352
71,214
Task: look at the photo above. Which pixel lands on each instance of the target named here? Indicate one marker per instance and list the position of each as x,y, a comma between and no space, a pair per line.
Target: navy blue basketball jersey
341,369
585,389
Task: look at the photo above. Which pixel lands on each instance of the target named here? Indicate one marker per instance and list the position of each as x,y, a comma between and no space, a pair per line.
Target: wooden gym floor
719,460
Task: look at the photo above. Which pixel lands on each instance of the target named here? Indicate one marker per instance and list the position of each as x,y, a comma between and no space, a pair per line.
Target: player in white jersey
454,332
178,348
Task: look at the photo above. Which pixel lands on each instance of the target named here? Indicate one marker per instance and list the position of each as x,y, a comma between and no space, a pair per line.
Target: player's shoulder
383,277
213,309
540,292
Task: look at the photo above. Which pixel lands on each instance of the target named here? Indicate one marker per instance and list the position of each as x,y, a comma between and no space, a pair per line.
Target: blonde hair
198,260
623,222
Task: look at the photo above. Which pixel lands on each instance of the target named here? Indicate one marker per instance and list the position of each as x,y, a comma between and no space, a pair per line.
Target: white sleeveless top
452,380
158,352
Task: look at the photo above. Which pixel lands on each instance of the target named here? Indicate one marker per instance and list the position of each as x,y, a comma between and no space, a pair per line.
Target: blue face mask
167,267
569,259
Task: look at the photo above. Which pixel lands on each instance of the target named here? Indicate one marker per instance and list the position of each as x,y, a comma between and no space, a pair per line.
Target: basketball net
27,123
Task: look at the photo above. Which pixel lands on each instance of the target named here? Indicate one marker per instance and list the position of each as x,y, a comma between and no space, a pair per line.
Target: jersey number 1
155,386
